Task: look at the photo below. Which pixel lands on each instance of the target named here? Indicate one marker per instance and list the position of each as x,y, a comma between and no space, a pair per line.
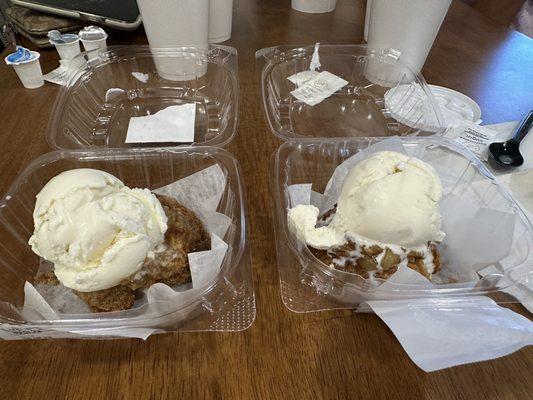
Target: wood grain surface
328,355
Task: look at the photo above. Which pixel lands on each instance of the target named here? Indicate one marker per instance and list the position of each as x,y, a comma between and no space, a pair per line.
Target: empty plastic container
383,96
95,107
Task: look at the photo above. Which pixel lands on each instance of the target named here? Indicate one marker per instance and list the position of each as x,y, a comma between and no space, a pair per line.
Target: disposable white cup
367,19
67,51
314,6
220,17
89,45
177,23
409,26
29,72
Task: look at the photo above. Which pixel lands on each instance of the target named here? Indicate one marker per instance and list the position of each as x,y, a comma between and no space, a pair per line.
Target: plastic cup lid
456,108
92,33
21,56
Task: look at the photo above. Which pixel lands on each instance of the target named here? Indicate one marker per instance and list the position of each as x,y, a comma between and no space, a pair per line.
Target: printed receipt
319,88
474,137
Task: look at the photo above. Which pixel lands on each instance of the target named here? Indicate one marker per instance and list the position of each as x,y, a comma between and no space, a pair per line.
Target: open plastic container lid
488,249
224,302
359,108
107,88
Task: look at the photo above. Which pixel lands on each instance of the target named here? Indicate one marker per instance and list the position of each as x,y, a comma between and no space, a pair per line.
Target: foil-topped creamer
21,55
92,33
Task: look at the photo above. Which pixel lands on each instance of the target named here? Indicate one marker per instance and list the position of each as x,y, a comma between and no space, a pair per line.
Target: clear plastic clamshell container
226,304
107,88
383,96
488,251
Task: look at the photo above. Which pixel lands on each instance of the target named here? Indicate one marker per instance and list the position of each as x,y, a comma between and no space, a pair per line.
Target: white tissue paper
469,250
201,192
172,124
475,137
519,182
141,76
315,59
442,333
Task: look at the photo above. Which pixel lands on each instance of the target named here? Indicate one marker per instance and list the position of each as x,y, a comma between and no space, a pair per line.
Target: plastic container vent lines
110,87
308,285
356,110
226,305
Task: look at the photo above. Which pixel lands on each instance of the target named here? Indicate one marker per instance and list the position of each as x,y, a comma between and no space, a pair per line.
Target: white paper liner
201,192
476,237
442,333
171,124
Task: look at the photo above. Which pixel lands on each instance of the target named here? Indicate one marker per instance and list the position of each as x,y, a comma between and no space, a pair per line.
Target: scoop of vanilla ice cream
388,197
94,229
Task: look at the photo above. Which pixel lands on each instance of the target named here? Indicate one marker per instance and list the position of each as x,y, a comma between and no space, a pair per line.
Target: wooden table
336,354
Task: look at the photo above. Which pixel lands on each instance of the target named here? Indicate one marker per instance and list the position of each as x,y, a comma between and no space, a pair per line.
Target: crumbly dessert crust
365,262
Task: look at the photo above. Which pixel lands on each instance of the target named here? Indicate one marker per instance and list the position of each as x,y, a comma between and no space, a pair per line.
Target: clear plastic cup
314,6
220,18
29,71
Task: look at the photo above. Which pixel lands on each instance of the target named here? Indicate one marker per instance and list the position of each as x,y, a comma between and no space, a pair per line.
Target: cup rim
66,43
17,63
94,40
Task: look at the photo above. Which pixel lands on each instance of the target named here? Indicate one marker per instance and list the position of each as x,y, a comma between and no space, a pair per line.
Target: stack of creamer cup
26,62
68,45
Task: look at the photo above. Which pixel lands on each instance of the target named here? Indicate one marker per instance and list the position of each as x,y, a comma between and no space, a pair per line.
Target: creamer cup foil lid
57,38
92,33
21,56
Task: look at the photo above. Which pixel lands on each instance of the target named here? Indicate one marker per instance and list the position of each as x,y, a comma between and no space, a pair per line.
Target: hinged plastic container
381,97
107,88
226,305
309,285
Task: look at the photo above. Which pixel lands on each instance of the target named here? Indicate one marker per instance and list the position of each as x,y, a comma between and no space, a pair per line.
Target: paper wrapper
477,240
200,192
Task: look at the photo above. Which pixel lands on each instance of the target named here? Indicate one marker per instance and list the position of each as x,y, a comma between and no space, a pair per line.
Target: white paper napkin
172,124
442,333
